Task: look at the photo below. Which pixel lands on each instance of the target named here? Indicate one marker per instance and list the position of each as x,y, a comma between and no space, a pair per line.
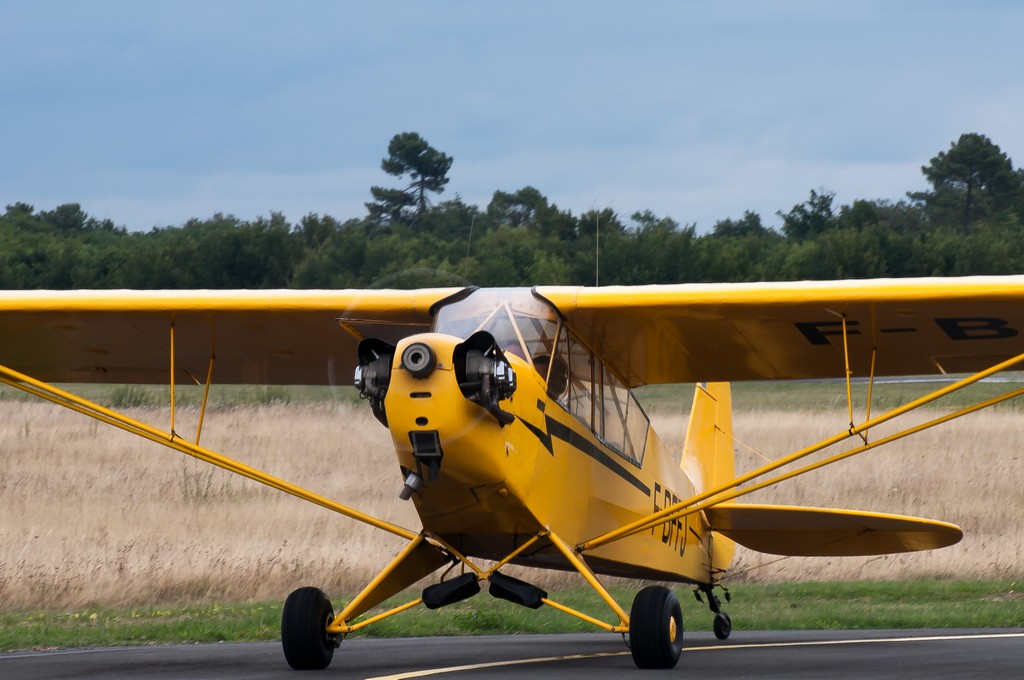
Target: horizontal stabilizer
827,532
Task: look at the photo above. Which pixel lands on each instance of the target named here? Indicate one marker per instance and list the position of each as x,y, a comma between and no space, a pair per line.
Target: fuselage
567,449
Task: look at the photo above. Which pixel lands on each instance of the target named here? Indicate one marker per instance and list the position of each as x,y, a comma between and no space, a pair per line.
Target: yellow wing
773,331
824,532
258,337
648,334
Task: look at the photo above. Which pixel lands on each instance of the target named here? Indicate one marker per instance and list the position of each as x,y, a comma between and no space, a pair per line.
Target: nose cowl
419,360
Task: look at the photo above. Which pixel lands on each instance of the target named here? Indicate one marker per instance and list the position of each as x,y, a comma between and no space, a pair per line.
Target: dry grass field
92,516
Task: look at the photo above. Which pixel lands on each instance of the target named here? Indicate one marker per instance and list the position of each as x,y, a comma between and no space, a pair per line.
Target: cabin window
598,399
520,324
537,332
579,397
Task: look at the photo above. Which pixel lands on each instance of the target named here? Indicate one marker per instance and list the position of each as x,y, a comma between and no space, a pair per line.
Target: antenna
597,240
465,273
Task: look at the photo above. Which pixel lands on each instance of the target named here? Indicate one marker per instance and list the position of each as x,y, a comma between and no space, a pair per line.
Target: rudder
708,458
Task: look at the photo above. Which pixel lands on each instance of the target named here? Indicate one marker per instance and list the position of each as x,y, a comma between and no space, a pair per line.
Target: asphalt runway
837,655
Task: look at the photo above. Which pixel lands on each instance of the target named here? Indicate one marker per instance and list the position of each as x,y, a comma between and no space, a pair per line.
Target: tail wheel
307,646
722,625
655,628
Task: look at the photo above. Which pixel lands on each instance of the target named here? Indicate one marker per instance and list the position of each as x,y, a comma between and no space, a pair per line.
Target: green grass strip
796,606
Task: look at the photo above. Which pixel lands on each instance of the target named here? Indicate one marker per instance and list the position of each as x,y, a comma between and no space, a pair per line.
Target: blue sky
149,113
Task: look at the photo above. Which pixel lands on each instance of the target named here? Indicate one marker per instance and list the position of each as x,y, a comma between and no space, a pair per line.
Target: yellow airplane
517,433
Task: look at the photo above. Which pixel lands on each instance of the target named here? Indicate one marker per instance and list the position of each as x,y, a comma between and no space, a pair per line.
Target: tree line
971,221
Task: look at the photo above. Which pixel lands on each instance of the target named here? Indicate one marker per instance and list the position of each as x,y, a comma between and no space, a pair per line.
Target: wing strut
173,433
206,388
171,440
714,496
849,377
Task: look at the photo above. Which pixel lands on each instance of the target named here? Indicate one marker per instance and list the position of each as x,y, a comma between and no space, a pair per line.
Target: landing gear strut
722,624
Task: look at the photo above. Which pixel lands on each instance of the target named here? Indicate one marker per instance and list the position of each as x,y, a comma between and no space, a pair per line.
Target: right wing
282,337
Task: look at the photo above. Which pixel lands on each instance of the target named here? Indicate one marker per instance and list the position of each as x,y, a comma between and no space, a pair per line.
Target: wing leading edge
647,334
258,337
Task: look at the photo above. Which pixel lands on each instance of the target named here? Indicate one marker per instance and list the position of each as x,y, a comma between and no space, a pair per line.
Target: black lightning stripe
540,434
557,430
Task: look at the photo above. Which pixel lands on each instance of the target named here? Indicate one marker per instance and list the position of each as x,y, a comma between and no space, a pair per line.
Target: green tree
974,178
740,250
451,221
810,218
655,250
529,208
509,256
315,230
427,169
748,225
21,218
67,218
337,261
518,209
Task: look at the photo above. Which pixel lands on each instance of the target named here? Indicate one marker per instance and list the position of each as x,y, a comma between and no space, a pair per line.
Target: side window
597,398
615,399
575,391
625,423
637,425
581,392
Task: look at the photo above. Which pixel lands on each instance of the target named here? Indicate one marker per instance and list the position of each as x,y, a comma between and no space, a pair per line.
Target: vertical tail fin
708,454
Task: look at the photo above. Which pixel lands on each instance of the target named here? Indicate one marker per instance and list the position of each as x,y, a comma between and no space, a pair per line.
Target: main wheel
304,620
722,625
655,628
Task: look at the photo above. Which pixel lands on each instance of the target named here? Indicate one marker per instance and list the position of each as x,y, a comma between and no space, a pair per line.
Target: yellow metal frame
721,493
340,626
577,562
206,389
481,575
53,394
572,554
836,458
848,373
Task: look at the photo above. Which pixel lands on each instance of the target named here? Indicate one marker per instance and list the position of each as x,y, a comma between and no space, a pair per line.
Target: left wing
826,532
779,331
258,337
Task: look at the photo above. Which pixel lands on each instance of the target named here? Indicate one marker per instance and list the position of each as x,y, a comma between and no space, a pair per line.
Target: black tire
655,628
722,626
304,620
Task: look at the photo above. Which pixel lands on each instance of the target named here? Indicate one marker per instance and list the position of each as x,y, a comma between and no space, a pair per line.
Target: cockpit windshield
519,322
576,378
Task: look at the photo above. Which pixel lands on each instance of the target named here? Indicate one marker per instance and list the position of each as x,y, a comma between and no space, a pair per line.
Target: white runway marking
687,650
494,664
861,641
